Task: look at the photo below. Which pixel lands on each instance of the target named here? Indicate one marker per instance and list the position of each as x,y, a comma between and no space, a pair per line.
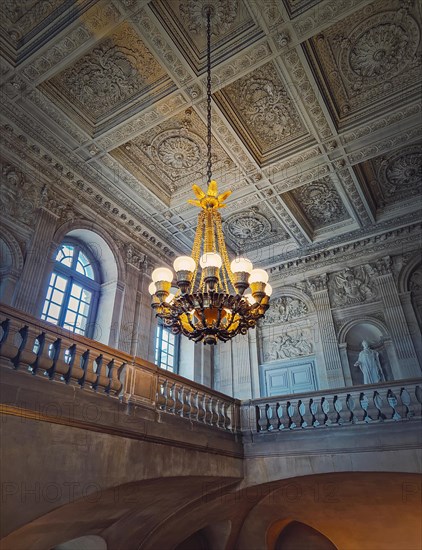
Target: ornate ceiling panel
393,178
263,112
316,118
320,203
233,28
172,155
116,75
361,60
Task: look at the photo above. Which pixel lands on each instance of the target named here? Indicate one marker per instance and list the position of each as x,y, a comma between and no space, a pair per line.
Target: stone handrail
384,402
53,353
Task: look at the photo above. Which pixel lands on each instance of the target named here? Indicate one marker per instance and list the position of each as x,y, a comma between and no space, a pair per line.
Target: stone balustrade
376,403
39,348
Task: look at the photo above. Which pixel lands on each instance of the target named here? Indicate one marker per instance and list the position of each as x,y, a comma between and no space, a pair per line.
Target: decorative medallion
179,152
380,51
247,226
223,14
321,203
404,171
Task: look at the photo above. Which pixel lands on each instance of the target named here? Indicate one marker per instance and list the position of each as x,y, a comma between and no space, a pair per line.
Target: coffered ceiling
316,116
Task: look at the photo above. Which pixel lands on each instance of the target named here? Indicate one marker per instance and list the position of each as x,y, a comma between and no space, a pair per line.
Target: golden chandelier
210,303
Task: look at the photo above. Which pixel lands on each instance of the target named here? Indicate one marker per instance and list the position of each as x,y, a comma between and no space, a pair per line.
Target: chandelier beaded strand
210,303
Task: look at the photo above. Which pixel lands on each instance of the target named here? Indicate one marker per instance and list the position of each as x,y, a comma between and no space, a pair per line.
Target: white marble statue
369,363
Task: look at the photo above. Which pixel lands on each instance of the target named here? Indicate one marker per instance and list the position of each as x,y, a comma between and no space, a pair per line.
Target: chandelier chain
209,162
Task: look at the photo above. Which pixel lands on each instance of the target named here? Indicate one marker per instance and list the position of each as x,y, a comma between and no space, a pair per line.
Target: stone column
27,295
319,290
395,318
254,363
241,366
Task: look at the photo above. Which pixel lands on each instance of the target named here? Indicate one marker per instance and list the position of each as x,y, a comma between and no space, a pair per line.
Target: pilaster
39,255
319,289
395,318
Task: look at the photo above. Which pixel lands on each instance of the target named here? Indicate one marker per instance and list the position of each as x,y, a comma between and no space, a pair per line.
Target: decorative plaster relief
267,115
172,153
285,309
116,70
321,203
232,28
365,55
19,17
287,346
351,286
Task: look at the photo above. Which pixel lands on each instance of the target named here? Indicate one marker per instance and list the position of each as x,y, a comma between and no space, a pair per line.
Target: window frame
73,276
158,350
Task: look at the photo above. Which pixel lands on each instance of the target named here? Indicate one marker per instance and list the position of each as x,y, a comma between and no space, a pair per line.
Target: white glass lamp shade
250,298
268,289
162,274
211,259
258,276
152,289
184,263
241,265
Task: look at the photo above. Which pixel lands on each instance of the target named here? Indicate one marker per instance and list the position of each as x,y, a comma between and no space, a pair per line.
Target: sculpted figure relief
351,286
369,363
286,346
285,309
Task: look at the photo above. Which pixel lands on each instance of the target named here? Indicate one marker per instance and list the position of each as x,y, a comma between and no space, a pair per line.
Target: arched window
72,295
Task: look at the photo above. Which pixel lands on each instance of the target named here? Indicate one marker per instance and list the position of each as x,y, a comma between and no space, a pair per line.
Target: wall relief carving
288,346
18,197
415,281
320,202
285,309
351,286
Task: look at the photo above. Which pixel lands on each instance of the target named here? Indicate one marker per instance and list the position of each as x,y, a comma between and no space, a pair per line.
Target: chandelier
210,302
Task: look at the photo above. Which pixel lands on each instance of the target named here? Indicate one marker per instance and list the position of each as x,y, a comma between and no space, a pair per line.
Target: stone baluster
261,415
161,398
301,408
325,407
407,366
381,406
350,403
226,408
272,417
392,401
313,409
338,407
49,353
407,402
291,413
279,413
186,409
27,357
364,404
11,341
319,290
201,408
213,408
194,408
77,365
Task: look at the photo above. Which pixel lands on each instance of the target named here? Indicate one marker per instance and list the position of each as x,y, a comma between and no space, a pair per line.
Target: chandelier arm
222,247
196,249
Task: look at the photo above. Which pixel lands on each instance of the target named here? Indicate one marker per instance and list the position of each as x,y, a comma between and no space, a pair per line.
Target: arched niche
298,536
375,333
210,537
105,251
11,263
289,345
414,286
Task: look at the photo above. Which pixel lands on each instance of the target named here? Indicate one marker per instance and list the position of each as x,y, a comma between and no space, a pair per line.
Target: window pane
81,323
70,317
86,296
76,291
89,272
57,297
60,283
73,304
83,309
54,311
65,255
